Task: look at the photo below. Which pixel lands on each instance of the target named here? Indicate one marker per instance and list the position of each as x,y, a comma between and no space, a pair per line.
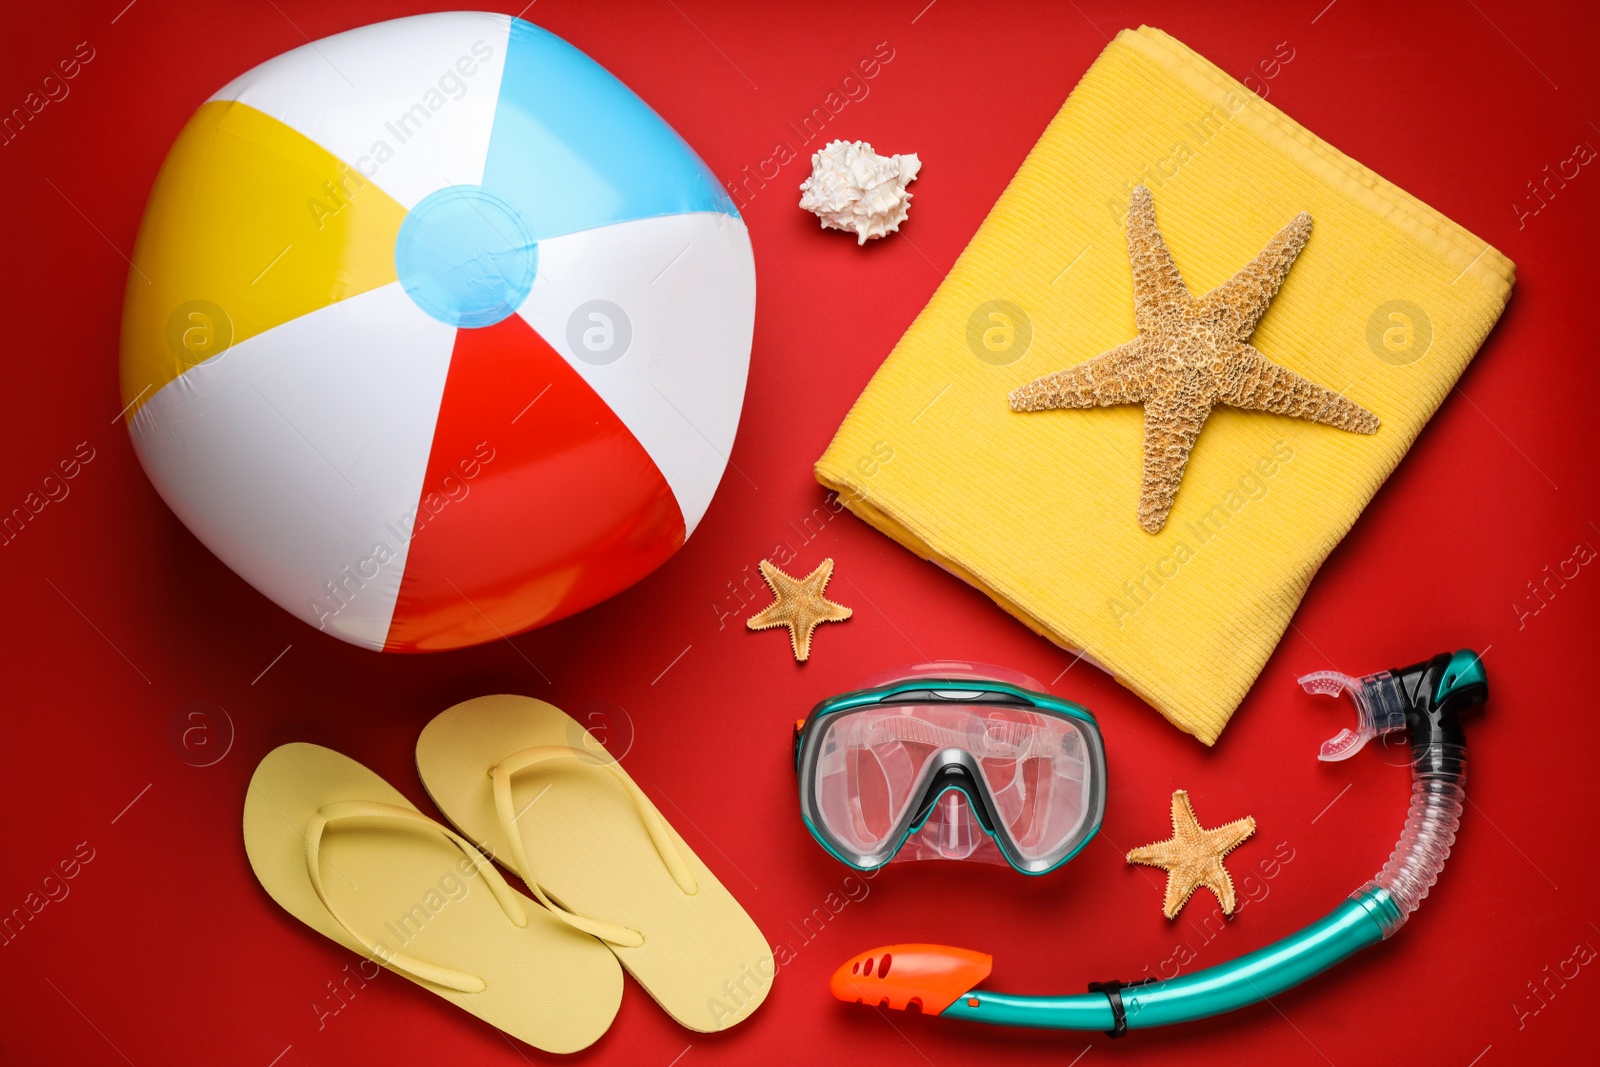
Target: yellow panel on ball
251,225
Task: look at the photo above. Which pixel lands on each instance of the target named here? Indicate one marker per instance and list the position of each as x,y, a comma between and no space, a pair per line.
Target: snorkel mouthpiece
927,978
1378,709
1422,699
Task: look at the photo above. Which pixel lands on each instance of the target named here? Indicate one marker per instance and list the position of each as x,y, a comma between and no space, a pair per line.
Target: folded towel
1386,304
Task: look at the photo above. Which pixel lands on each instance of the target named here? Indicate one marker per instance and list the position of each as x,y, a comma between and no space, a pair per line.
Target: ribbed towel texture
1387,304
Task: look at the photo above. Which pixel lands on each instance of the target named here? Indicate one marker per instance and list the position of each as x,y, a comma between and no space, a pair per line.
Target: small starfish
1193,857
1190,356
799,605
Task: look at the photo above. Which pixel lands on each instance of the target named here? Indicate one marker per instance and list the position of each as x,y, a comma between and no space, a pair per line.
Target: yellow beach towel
1386,304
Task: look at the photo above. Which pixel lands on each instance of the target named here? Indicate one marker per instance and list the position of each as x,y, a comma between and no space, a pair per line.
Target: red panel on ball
538,501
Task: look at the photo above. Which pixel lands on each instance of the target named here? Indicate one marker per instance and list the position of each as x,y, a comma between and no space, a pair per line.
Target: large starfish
1190,356
1192,857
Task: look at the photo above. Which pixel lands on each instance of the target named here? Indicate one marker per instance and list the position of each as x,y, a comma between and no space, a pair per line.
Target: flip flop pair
613,885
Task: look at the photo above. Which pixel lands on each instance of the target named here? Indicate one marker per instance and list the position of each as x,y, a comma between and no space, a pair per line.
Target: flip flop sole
415,893
703,959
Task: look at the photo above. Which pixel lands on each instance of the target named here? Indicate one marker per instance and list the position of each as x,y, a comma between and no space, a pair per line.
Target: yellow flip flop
345,853
533,787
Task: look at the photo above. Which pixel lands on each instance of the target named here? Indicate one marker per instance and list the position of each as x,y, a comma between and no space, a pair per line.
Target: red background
167,951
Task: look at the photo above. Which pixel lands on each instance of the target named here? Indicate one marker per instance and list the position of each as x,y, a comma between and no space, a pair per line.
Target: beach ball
435,332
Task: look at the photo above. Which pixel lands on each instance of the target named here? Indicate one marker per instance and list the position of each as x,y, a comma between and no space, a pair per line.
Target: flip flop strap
660,835
389,815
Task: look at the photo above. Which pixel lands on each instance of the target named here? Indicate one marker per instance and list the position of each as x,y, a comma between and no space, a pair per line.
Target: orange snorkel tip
927,978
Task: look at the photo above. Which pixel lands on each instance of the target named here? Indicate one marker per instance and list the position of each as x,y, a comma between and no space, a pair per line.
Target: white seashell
853,188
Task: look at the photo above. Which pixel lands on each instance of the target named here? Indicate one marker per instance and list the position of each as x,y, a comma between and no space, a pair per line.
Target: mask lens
1037,770
864,777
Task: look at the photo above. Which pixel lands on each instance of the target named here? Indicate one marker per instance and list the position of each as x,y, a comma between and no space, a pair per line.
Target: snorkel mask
951,761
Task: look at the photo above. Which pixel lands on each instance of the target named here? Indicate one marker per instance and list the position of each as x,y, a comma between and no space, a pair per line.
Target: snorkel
1425,700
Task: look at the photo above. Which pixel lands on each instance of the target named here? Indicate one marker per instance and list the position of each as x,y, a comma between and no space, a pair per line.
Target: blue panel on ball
572,148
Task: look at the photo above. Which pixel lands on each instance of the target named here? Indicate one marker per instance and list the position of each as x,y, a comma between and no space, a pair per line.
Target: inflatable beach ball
435,332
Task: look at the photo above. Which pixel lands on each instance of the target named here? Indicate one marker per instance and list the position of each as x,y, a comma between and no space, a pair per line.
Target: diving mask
951,761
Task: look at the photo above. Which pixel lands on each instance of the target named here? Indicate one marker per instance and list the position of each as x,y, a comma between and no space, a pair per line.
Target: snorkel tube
1426,700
